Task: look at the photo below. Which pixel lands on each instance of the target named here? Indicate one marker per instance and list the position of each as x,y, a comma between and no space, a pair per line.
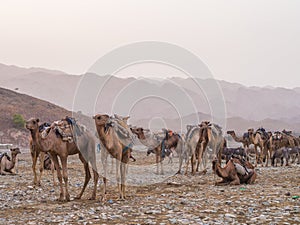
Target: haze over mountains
147,99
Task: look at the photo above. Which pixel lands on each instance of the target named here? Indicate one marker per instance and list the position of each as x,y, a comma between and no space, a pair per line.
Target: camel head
103,120
123,118
32,124
250,131
15,151
230,132
139,132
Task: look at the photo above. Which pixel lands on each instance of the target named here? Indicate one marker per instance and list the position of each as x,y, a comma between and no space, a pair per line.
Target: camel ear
126,118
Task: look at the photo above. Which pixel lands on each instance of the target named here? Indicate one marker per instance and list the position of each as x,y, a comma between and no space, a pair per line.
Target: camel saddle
263,133
4,154
241,168
64,129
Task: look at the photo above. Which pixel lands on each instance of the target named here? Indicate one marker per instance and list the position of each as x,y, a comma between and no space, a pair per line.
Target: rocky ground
152,198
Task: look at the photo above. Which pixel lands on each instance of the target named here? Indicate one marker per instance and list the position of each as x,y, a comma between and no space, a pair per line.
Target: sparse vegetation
19,121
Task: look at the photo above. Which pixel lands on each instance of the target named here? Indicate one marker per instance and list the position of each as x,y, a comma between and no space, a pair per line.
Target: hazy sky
255,42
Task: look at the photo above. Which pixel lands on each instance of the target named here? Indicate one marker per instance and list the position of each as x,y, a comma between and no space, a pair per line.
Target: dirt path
177,200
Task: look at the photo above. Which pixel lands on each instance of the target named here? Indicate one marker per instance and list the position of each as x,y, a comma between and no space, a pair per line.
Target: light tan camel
120,150
245,140
7,164
85,148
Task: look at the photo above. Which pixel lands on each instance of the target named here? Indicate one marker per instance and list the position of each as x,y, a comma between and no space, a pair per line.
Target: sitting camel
7,163
116,147
53,143
236,171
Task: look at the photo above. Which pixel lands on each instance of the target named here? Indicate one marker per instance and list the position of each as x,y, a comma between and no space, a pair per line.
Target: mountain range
173,102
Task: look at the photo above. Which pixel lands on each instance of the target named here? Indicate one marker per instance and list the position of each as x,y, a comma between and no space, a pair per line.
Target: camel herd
66,137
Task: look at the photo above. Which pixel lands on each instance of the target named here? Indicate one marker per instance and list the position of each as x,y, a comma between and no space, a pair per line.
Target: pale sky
254,42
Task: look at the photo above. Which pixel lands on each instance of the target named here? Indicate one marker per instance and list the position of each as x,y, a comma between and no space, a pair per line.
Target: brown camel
175,141
7,164
37,153
52,143
153,144
210,135
257,139
115,147
245,140
235,172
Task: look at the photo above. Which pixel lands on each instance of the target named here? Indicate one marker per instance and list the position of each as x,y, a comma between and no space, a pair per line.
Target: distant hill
249,103
14,103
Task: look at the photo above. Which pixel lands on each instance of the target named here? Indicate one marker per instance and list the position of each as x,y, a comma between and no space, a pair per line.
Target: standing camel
153,144
257,139
36,153
211,135
245,140
7,164
118,149
84,147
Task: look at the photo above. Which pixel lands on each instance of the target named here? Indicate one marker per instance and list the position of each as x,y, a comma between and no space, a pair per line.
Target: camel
52,143
281,153
235,172
245,140
258,139
154,145
36,153
210,135
227,153
116,147
7,164
175,142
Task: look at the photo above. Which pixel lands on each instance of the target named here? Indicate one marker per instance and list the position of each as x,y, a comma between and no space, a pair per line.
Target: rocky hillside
14,103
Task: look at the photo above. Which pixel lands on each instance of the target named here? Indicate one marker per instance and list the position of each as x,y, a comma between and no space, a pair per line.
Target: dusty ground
174,200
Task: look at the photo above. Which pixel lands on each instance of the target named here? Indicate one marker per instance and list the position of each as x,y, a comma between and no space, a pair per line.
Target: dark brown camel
235,172
52,143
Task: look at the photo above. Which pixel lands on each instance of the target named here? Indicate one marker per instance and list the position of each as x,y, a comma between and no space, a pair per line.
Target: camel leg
53,172
34,156
87,176
256,155
118,177
123,180
180,163
252,179
200,155
193,162
186,166
96,178
59,176
95,172
157,163
65,175
42,158
104,165
236,180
